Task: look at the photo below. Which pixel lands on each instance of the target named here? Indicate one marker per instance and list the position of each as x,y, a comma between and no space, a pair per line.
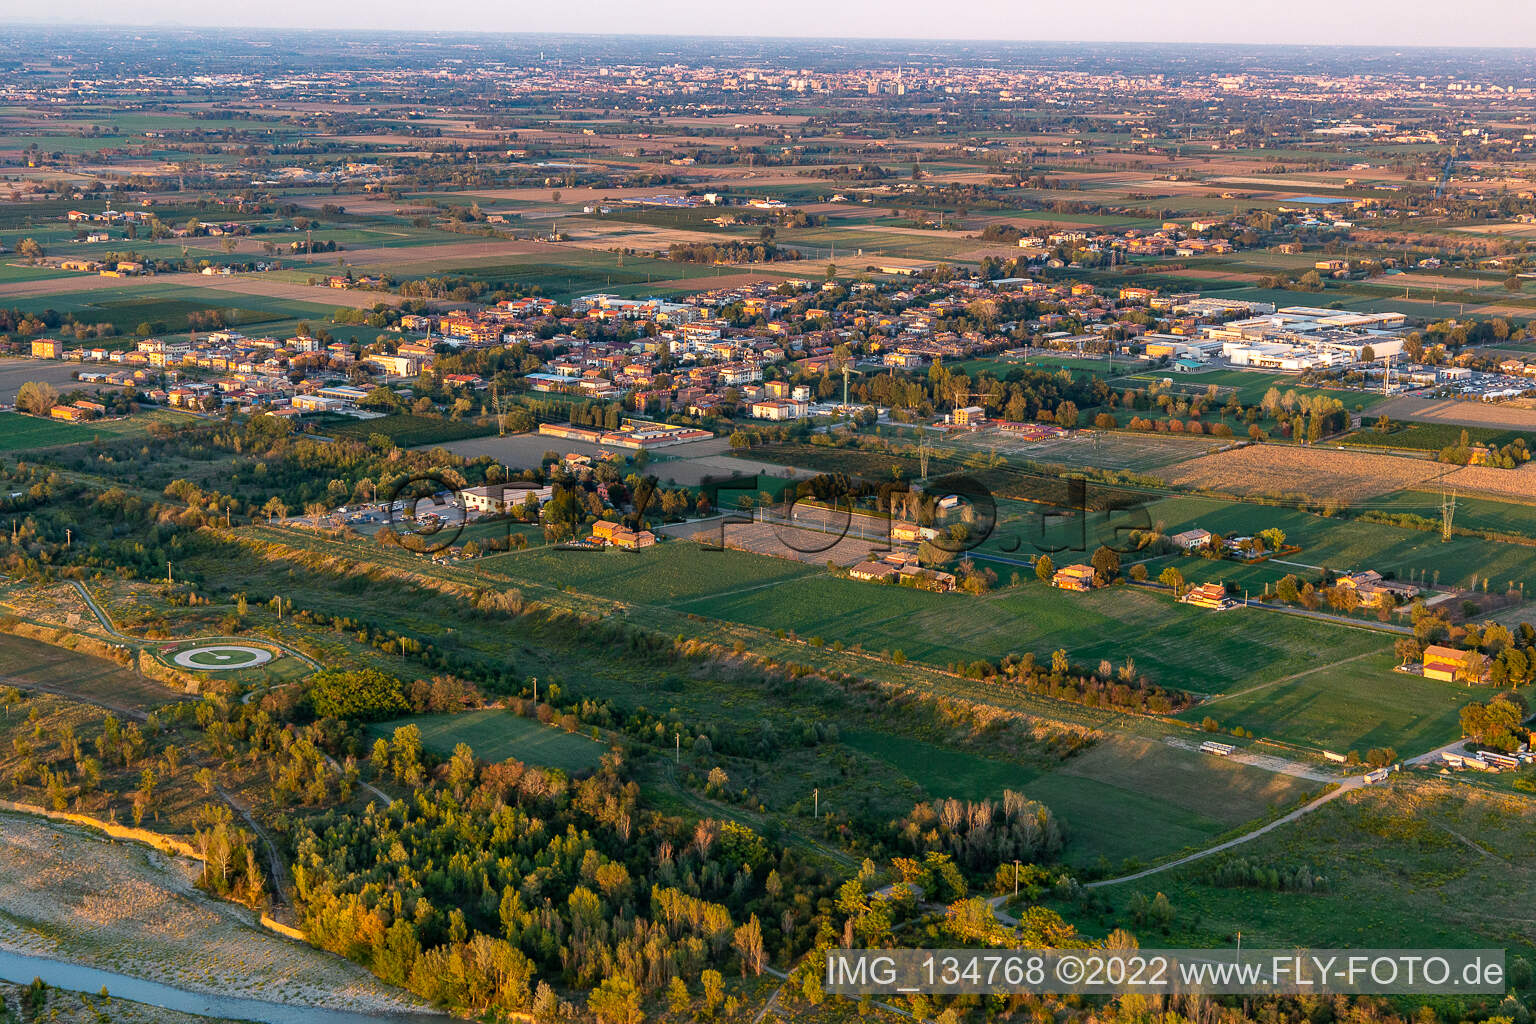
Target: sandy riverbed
69,894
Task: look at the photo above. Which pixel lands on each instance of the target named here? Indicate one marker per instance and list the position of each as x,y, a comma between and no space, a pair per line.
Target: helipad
217,657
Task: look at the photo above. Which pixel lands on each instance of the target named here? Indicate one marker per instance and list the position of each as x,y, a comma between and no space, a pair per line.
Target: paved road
1343,620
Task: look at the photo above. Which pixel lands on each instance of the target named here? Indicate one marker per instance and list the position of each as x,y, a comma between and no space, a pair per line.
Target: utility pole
168,573
1015,878
816,803
535,689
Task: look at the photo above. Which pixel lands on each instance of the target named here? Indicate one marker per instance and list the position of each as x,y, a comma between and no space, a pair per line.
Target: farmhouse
1374,591
1189,540
1450,665
874,571
1073,577
928,579
620,536
1209,595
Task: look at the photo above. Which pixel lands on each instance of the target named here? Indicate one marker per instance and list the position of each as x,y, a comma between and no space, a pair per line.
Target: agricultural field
1174,645
15,372
1347,544
35,665
1315,472
1500,416
1138,453
675,574
1517,484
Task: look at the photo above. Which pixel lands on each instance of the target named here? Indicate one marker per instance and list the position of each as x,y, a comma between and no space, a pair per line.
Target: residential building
1074,577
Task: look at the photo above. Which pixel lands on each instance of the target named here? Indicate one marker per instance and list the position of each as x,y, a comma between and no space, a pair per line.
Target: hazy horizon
1476,23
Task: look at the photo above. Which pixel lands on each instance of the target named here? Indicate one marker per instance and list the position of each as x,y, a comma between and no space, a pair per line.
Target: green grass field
404,429
1251,386
19,432
1345,702
499,735
1124,797
1413,861
1431,437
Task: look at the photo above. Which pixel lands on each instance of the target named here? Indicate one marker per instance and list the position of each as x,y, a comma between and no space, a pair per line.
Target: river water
21,969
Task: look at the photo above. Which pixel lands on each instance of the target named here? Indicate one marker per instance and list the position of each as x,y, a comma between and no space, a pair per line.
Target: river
21,969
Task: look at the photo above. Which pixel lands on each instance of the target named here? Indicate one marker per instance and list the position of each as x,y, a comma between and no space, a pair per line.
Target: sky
1360,22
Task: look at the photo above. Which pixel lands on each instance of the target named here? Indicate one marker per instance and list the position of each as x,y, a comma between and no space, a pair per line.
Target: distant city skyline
1353,22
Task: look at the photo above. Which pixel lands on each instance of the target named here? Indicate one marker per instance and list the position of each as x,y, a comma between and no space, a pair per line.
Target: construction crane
848,371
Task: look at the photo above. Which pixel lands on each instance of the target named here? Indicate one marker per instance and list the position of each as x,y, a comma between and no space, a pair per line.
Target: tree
748,940
37,397
714,990
1044,568
29,249
616,1001
1171,577
1106,564
359,694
